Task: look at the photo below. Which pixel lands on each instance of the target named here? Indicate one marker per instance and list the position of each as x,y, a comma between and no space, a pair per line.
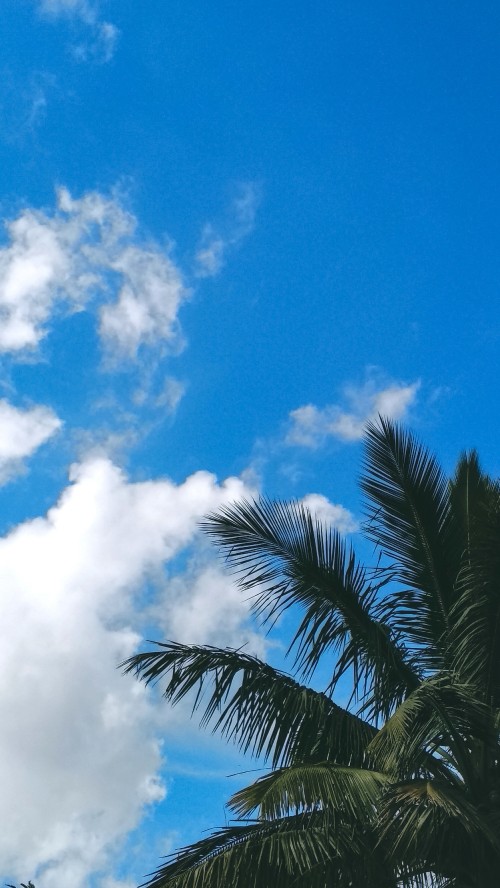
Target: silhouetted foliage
401,788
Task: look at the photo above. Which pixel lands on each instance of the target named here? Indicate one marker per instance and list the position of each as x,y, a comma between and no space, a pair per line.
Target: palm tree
401,788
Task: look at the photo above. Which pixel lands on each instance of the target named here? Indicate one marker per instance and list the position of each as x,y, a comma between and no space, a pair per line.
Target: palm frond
433,824
264,711
414,803
351,792
306,851
431,732
474,642
408,517
287,557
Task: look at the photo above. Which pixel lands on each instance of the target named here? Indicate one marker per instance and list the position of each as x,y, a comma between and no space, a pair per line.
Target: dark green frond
427,733
408,517
474,642
353,802
305,851
266,712
279,550
432,824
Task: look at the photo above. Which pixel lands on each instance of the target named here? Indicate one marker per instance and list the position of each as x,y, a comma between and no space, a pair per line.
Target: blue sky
232,234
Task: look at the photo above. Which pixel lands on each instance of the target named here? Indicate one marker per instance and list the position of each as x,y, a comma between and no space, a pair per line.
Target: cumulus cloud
215,240
21,433
79,756
311,426
205,606
331,513
85,252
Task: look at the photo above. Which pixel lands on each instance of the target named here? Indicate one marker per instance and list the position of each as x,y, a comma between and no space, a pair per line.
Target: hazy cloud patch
101,37
23,104
217,239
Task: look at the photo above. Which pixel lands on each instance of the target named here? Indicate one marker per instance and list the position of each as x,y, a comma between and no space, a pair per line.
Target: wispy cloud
83,9
101,37
171,394
217,239
310,426
23,104
101,48
21,433
83,254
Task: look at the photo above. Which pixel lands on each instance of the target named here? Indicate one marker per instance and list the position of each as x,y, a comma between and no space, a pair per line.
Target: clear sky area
232,233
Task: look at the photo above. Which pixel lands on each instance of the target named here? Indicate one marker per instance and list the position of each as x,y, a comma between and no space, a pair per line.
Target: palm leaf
474,643
266,712
431,732
432,823
415,803
409,518
289,558
350,791
305,851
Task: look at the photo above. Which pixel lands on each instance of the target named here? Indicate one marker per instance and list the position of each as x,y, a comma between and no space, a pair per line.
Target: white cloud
87,251
210,253
311,426
147,304
21,433
81,8
331,513
23,104
171,394
205,606
101,48
215,241
115,883
101,44
79,758
167,398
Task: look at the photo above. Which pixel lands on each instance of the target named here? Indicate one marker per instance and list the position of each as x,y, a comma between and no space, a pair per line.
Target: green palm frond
287,557
428,732
352,802
266,712
299,851
433,824
474,642
409,519
352,792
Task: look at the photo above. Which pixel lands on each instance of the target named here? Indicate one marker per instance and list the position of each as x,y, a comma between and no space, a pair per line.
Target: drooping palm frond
287,557
264,711
409,519
305,851
412,803
347,791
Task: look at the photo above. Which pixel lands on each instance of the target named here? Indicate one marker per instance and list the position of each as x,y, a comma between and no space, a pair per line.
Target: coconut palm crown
401,788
